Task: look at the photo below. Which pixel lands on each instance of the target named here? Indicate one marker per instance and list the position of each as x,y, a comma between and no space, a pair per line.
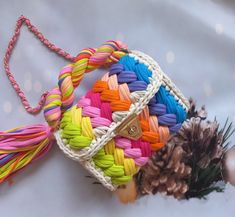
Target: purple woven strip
137,86
157,109
127,77
116,69
167,119
152,101
175,128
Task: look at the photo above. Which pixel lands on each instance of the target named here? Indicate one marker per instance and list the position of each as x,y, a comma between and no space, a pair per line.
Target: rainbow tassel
20,146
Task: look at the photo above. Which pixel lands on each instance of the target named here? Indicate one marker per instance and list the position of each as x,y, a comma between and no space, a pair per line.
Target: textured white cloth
194,43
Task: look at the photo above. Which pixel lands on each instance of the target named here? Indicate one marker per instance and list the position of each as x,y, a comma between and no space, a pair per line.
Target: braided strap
88,131
61,97
22,20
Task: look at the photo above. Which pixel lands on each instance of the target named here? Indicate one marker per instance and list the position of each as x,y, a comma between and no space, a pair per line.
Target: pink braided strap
23,20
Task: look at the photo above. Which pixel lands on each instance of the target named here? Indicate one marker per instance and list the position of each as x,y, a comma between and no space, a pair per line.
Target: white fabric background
193,41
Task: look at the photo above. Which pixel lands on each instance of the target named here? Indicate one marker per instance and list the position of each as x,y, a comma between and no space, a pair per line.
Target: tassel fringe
20,146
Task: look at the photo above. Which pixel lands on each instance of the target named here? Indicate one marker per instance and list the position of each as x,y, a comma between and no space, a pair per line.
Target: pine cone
202,140
201,113
165,172
190,164
205,143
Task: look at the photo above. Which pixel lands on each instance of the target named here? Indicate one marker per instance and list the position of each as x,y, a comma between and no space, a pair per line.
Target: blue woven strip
163,96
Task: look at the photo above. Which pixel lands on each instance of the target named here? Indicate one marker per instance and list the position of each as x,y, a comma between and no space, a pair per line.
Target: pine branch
227,131
203,181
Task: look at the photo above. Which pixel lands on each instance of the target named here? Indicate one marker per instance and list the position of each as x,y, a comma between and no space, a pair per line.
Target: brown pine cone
190,164
201,113
165,173
202,139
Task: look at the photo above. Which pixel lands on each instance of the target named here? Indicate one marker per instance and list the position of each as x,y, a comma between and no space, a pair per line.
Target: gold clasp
130,128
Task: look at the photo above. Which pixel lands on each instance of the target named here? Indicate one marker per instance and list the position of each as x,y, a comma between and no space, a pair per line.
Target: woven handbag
127,115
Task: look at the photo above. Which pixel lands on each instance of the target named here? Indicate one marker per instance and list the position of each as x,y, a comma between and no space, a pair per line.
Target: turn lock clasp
130,128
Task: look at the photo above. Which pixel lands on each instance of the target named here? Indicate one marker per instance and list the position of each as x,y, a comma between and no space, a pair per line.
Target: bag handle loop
24,20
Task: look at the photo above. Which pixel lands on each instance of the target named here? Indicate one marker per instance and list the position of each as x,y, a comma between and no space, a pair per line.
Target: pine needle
203,181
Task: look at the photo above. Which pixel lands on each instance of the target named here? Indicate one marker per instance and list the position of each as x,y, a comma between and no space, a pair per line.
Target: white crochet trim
169,85
88,165
104,134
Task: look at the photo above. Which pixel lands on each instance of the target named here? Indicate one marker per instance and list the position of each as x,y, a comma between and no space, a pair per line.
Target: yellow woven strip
86,127
79,134
110,147
118,156
129,166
